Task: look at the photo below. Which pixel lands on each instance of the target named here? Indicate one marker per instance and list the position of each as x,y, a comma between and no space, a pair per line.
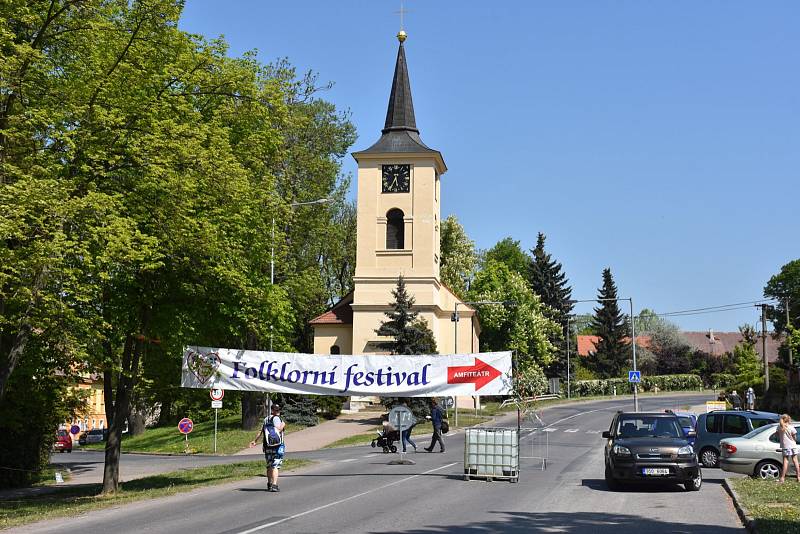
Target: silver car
757,454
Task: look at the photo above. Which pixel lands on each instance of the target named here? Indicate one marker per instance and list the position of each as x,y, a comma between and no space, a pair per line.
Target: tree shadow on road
568,522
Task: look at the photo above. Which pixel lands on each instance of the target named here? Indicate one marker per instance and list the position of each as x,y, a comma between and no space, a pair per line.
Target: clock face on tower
396,178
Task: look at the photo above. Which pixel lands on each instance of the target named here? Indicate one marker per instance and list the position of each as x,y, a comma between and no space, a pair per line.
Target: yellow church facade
398,233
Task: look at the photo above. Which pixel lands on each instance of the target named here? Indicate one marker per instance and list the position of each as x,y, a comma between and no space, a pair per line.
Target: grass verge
230,438
775,507
69,501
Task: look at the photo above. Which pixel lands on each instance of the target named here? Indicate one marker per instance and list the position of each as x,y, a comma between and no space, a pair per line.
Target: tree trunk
137,420
253,411
165,414
131,356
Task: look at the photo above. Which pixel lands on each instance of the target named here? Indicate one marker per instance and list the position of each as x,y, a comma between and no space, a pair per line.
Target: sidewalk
317,437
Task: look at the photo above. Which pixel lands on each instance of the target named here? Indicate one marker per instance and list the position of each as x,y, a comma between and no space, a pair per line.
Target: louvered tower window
395,229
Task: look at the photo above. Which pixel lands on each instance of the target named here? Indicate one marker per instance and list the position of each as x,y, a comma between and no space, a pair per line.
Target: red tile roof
341,313
714,343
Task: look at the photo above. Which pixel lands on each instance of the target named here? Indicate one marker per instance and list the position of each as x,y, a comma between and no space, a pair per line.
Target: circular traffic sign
449,402
401,416
74,429
185,425
217,394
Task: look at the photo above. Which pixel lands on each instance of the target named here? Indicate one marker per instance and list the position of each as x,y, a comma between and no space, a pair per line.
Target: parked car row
672,447
63,442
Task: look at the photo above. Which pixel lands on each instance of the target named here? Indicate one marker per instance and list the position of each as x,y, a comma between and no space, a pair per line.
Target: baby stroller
386,439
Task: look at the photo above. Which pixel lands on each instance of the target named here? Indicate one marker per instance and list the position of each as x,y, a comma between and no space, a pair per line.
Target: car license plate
655,471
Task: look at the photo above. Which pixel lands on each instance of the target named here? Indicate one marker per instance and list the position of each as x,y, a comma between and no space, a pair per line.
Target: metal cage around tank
491,453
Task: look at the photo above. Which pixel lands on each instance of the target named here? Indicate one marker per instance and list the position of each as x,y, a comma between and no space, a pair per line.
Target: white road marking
372,455
549,429
349,460
318,508
581,413
573,430
594,431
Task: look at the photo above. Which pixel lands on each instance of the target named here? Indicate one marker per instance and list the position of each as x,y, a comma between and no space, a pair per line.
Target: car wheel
611,482
695,483
709,457
768,470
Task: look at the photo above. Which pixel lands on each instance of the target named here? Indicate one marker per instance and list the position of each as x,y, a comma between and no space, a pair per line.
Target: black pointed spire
400,134
400,114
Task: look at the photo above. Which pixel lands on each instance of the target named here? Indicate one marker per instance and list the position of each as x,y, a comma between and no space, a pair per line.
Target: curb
747,520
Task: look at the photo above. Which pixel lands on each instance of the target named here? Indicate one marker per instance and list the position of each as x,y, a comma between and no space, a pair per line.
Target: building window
335,349
395,229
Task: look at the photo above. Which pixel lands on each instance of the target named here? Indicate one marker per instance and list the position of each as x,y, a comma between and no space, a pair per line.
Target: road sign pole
633,341
216,410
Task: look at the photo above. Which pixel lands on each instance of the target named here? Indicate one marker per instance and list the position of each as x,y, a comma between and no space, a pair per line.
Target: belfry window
395,229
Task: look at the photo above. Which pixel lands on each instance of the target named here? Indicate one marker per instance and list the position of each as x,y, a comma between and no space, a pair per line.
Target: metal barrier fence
491,453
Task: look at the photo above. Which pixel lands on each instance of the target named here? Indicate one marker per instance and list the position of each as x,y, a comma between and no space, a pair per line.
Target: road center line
318,508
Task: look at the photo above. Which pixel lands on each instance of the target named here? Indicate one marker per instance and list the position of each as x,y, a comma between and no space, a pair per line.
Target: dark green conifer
612,349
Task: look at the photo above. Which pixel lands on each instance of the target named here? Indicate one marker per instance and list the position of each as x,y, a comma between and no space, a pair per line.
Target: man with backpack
272,443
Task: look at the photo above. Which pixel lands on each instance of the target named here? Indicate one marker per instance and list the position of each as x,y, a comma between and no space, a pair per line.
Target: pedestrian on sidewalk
436,419
272,444
406,435
750,398
788,437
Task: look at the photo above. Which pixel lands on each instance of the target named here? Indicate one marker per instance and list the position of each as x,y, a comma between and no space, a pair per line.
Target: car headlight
686,451
620,450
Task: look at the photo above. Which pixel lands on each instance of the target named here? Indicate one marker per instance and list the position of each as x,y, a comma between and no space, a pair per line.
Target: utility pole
764,344
788,322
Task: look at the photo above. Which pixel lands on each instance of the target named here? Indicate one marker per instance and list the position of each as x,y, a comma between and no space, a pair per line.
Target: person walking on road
788,437
735,400
750,398
436,419
274,448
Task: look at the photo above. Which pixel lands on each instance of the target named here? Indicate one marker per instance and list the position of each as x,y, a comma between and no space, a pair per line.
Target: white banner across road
488,373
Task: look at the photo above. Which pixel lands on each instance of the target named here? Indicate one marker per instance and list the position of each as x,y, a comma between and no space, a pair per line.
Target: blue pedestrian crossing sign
634,377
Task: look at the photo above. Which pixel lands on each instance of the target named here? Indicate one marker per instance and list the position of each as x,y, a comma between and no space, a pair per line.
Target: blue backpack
272,438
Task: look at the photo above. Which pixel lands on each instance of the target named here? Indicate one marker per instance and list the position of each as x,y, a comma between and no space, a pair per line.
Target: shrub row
588,388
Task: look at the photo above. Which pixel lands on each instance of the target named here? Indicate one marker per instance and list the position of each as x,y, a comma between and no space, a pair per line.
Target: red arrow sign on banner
481,373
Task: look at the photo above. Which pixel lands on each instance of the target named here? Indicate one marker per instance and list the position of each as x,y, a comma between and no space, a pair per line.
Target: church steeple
400,114
400,134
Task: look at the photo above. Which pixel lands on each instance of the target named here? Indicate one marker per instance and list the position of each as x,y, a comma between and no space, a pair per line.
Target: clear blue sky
660,139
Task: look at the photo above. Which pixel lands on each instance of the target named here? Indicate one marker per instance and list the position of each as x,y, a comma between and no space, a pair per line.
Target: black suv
645,447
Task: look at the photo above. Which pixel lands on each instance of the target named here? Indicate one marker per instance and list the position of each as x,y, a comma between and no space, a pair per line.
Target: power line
714,309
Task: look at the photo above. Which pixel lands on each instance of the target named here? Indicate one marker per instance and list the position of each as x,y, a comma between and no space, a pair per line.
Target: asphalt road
355,490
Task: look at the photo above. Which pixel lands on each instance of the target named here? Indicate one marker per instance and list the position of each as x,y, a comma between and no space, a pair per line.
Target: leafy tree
783,287
612,354
521,324
549,282
141,173
673,354
510,253
749,370
459,259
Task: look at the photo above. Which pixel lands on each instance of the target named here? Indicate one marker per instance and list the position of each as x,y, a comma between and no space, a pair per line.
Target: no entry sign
185,425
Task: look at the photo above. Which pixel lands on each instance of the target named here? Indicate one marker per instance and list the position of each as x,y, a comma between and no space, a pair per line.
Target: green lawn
69,501
230,438
774,506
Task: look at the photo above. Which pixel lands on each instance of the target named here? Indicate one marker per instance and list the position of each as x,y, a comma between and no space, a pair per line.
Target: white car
757,454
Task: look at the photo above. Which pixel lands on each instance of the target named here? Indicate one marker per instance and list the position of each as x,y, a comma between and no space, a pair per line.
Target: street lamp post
454,319
633,344
272,248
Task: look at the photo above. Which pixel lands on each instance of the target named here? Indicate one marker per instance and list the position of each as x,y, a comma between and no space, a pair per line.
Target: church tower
398,220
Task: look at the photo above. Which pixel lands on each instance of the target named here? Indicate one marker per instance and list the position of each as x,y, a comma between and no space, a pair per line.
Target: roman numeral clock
396,178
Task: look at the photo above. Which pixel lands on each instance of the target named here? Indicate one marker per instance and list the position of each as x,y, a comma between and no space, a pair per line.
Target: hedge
588,388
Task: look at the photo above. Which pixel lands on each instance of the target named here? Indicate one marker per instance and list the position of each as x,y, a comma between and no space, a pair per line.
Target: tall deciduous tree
520,323
509,252
613,352
459,259
547,280
782,287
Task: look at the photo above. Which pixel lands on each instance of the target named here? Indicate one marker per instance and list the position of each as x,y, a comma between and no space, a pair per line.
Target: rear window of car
735,424
62,433
757,431
711,421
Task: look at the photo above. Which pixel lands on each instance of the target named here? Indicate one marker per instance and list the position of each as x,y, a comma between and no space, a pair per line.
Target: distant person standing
788,438
735,400
273,446
436,418
750,398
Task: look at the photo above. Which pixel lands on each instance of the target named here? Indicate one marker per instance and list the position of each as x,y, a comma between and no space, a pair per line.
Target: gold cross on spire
401,35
